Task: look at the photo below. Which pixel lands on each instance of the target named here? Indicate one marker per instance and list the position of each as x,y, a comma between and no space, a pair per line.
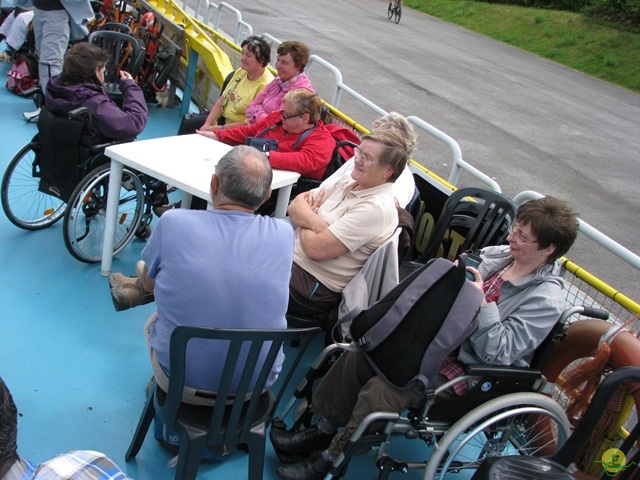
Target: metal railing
339,89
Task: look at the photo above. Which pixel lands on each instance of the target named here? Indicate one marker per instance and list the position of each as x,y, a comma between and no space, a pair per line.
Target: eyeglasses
286,116
514,231
364,157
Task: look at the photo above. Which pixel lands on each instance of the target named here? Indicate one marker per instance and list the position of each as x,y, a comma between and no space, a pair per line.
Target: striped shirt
74,465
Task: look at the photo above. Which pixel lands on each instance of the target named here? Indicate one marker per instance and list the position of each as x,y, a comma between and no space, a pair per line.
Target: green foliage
622,11
597,47
569,5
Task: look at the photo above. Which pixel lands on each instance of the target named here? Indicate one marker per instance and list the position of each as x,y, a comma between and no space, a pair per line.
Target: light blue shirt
221,269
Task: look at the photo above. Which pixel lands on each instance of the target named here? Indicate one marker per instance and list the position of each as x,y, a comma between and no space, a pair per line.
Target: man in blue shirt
220,268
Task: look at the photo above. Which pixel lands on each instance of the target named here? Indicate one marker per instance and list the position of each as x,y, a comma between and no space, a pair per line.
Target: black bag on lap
407,334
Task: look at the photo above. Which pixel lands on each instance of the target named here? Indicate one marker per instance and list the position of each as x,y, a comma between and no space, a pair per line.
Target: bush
570,5
619,11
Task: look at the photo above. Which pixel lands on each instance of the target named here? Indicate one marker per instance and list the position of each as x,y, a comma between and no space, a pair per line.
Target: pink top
270,99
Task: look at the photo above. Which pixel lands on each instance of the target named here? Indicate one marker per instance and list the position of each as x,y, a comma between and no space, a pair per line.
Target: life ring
582,339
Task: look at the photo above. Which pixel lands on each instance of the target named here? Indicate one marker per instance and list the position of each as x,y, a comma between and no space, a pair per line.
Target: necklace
492,285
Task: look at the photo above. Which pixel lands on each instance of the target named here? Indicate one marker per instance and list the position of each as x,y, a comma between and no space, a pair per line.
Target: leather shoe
313,468
301,442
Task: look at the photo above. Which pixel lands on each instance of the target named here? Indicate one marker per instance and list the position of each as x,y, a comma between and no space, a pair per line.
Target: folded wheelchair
505,411
61,175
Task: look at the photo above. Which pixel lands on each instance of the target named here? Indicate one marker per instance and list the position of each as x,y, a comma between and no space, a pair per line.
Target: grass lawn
601,49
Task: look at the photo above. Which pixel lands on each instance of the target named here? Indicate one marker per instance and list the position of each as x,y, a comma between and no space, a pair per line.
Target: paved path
527,122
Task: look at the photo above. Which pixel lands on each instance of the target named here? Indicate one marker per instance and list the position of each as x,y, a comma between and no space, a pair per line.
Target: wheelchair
60,175
505,411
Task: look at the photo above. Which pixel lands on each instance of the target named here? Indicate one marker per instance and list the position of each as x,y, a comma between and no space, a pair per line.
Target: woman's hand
210,128
478,282
207,133
125,75
314,203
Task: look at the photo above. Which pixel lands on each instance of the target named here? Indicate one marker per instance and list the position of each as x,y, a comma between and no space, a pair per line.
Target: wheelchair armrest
76,112
102,146
502,371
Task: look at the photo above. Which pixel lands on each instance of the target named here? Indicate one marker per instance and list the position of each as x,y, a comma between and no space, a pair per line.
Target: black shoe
301,442
313,468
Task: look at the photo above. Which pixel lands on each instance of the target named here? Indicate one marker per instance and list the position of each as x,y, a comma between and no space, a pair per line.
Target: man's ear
267,196
214,184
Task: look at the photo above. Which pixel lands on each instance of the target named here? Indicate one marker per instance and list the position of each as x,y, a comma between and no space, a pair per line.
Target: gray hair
8,430
394,152
397,122
244,176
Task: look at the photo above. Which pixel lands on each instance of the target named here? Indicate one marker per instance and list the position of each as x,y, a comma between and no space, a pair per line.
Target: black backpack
407,334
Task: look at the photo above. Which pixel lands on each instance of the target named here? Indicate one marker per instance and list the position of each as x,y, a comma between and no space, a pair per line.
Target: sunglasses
286,116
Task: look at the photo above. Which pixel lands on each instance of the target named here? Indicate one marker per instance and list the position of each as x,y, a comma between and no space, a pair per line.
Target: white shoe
31,117
140,265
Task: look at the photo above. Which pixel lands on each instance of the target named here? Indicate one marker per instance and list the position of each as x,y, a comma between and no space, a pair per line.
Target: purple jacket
270,99
108,121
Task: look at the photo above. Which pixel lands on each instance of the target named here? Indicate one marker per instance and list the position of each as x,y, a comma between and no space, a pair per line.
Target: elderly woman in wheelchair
81,85
63,172
522,302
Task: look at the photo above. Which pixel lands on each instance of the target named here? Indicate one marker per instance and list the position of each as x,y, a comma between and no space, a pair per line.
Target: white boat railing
339,89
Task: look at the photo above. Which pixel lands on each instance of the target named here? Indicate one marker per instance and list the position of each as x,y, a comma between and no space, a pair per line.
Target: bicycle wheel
390,10
398,12
23,204
518,423
84,221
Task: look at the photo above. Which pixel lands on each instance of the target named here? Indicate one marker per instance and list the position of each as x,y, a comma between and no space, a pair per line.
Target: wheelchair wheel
84,221
398,13
25,206
518,423
390,10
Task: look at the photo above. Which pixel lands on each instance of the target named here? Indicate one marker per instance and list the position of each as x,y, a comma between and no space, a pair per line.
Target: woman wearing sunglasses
304,144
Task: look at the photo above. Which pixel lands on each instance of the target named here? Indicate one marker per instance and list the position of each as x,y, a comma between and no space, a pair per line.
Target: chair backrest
125,52
481,217
64,147
377,277
115,27
227,422
566,455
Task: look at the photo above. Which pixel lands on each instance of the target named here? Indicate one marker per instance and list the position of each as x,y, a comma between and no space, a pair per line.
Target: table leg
283,201
186,200
115,180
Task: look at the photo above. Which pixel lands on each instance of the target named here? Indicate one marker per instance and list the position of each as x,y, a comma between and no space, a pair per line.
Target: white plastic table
185,162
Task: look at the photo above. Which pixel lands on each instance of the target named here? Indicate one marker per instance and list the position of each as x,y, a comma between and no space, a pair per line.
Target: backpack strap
270,127
298,141
303,136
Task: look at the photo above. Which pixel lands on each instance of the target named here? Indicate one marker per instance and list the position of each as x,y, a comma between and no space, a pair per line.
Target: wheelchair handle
584,310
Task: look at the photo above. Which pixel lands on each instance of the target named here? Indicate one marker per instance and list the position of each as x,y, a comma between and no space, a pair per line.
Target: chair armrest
502,371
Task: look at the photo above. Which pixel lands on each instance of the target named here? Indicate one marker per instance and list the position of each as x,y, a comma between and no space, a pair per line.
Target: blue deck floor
76,368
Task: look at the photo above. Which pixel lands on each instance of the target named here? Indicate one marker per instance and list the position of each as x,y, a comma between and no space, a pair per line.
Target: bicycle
395,8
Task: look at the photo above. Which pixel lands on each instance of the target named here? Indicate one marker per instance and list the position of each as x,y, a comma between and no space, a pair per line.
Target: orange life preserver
582,340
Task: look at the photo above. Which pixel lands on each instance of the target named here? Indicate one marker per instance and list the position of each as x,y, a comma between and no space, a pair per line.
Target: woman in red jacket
304,144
